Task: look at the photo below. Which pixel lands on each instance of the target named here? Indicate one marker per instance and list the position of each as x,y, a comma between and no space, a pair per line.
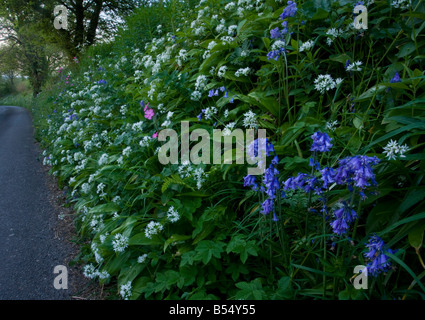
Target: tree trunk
94,21
79,27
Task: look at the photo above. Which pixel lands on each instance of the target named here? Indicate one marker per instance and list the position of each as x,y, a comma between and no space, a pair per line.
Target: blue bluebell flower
267,206
275,54
356,170
327,176
275,33
271,181
347,63
285,27
249,181
313,163
379,261
289,11
343,217
396,78
321,142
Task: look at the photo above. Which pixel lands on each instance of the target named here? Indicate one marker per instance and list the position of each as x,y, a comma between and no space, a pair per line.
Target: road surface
29,249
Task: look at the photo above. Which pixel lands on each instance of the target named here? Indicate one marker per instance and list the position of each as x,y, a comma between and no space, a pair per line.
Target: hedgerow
343,184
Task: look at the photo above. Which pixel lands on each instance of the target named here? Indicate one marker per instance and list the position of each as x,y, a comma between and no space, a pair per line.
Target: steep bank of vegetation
344,114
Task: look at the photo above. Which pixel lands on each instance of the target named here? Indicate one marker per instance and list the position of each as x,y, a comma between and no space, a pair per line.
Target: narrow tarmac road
29,250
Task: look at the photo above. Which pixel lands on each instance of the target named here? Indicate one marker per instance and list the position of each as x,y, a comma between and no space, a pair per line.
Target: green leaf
106,207
250,290
174,179
344,295
235,269
407,49
117,262
267,103
187,258
370,93
412,197
140,239
320,14
392,134
241,247
379,216
416,236
284,289
403,221
206,249
207,222
187,275
341,58
165,280
401,263
175,238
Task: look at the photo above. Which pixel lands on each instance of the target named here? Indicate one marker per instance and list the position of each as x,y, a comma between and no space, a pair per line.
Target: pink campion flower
149,113
155,135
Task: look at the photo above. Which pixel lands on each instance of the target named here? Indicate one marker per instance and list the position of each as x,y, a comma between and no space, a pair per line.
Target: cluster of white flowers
196,95
325,82
331,125
167,122
402,4
211,45
125,290
221,27
142,258
332,34
100,190
98,257
221,71
307,46
185,169
146,140
96,223
200,176
153,228
227,39
278,44
120,242
250,120
182,57
103,159
206,54
227,131
126,152
201,82
231,30
243,72
392,149
173,215
137,126
210,112
355,66
230,6
89,271
85,188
